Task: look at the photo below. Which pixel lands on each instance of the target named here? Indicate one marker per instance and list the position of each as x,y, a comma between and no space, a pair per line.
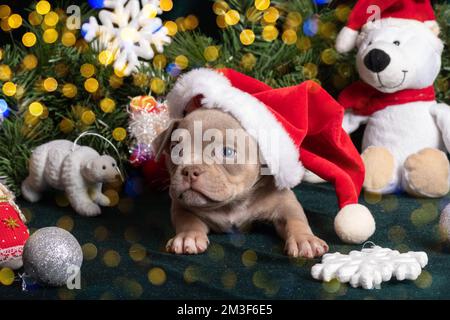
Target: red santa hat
365,11
308,124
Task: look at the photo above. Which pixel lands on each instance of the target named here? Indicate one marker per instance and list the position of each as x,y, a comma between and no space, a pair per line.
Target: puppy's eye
113,165
397,43
229,152
104,167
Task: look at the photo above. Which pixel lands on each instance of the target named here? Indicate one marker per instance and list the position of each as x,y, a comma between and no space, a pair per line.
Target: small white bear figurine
78,170
408,131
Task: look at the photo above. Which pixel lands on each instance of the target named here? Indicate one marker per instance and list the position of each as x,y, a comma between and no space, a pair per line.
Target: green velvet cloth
228,270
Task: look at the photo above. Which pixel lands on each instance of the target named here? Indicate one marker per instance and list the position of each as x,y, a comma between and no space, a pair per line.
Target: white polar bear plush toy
79,171
408,132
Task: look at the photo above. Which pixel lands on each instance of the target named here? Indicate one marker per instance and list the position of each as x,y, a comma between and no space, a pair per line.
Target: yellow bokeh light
66,223
372,198
289,37
107,105
157,85
294,19
15,21
248,61
182,62
5,72
342,12
105,57
249,258
51,19
262,4
30,61
9,89
88,117
271,15
171,27
66,126
20,91
29,39
69,90
304,43
50,84
35,18
166,5
247,37
111,258
5,11
1,54
157,276
191,22
270,33
220,7
68,39
91,85
101,233
36,109
6,276
112,195
4,25
119,134
159,61
232,17
89,251
220,21
43,7
115,81
216,252
137,252
329,56
87,70
229,279
211,53
310,70
50,35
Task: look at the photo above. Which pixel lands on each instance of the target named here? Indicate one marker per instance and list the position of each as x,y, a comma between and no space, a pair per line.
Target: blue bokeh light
3,107
97,4
310,27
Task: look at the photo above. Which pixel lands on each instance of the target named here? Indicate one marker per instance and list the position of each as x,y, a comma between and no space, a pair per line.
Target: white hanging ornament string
87,133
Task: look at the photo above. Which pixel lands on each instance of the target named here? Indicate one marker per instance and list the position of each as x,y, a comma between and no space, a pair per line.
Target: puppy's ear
162,141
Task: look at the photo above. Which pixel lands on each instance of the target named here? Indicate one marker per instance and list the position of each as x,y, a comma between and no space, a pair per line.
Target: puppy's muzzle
192,173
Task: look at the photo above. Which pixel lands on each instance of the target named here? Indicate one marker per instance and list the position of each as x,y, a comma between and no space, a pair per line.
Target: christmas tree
61,77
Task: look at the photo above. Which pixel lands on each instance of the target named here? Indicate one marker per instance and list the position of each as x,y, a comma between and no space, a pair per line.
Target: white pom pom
354,224
346,40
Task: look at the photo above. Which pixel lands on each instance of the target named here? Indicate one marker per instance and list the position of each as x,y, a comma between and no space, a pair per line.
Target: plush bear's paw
380,165
29,194
305,246
427,174
102,200
191,242
89,209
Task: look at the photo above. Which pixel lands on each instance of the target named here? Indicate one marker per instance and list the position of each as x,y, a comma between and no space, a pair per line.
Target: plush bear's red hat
365,11
308,124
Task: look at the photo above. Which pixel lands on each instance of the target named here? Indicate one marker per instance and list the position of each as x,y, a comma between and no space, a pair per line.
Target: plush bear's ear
162,141
433,26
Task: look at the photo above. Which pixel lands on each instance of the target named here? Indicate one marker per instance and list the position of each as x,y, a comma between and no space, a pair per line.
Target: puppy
220,196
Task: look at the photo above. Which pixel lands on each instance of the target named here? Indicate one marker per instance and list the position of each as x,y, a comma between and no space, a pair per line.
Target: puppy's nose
192,172
377,60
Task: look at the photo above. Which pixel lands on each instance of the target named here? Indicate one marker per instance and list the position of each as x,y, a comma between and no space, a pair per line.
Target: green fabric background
402,222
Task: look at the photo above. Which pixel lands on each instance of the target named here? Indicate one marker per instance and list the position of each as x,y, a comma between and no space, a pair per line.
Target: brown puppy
220,196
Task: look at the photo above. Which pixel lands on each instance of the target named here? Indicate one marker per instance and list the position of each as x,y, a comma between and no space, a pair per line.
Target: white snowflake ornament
370,267
129,30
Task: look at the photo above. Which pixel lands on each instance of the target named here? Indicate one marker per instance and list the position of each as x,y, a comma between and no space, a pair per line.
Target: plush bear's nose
377,60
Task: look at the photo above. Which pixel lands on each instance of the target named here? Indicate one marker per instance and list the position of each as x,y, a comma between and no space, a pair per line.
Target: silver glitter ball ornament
52,256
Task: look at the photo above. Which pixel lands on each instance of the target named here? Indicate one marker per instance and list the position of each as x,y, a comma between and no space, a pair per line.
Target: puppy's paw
305,246
88,209
103,200
191,242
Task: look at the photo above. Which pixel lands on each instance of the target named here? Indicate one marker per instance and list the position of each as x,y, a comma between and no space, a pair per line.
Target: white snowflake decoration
370,267
130,30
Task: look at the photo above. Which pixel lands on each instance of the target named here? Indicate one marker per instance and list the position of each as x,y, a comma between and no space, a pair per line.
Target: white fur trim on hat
253,115
346,40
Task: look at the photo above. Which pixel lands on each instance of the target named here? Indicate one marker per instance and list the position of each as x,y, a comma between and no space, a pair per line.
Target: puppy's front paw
306,246
191,242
